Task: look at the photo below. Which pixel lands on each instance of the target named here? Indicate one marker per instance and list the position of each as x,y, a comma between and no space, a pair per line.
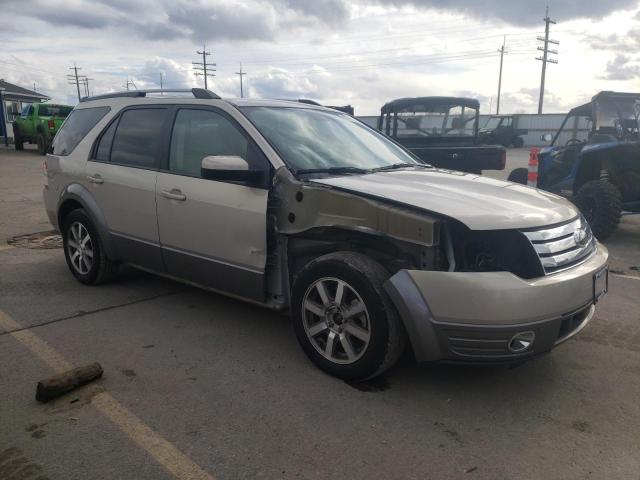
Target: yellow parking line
625,276
164,452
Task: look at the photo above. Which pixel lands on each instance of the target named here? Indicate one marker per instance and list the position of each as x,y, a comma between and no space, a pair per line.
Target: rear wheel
83,250
601,204
518,142
519,175
343,318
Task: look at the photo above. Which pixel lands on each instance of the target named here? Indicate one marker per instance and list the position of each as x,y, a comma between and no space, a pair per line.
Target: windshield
618,116
492,123
62,111
575,128
441,121
309,139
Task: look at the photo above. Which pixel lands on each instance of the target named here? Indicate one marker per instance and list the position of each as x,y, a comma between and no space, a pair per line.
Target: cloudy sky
362,53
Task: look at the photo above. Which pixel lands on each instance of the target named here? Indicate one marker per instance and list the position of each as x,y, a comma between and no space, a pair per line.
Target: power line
241,74
201,67
347,56
545,56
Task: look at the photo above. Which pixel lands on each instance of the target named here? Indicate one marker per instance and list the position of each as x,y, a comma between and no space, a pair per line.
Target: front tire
601,204
344,320
83,250
519,175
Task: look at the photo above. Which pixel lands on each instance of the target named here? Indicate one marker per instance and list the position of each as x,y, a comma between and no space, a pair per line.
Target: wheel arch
306,246
76,196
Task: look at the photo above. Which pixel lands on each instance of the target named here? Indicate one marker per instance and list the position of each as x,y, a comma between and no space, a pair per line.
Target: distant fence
536,125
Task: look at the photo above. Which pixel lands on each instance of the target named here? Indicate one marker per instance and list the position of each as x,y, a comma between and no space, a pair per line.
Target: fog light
522,341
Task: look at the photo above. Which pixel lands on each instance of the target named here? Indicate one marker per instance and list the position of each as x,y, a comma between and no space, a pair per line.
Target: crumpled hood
481,203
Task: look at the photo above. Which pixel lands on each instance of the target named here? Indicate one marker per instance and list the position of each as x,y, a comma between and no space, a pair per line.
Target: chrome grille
563,246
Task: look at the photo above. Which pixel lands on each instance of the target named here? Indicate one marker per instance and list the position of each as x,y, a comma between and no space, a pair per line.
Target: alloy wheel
80,248
336,320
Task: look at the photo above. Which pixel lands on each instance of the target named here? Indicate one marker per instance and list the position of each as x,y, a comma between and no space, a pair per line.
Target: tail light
51,124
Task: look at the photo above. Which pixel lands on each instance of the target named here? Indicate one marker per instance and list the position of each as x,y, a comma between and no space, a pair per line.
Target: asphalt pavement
197,385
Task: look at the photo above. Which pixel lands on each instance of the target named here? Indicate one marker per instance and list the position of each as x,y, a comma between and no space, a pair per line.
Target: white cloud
364,53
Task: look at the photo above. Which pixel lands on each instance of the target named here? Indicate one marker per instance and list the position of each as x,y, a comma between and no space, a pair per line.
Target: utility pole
85,81
130,82
34,87
241,74
502,52
161,75
74,78
203,68
545,56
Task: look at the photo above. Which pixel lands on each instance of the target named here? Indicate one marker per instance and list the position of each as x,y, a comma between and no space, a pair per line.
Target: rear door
122,176
212,232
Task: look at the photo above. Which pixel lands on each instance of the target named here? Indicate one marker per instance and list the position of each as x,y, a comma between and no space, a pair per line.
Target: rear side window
138,137
76,127
104,147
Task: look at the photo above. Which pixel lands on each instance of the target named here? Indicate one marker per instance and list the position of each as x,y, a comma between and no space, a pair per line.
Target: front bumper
473,316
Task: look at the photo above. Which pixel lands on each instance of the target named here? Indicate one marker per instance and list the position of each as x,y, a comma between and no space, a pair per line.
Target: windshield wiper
395,166
334,170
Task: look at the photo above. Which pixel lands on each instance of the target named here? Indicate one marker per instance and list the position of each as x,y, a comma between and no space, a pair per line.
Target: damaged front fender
300,207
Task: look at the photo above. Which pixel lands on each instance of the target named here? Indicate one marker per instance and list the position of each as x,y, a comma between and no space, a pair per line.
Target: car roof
193,96
420,104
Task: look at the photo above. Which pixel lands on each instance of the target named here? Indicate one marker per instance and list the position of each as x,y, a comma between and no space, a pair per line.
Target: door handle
174,194
95,178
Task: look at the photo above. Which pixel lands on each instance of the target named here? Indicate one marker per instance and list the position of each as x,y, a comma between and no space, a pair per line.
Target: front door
213,233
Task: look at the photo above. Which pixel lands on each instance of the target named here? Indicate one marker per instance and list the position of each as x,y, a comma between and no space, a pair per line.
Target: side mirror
230,168
546,137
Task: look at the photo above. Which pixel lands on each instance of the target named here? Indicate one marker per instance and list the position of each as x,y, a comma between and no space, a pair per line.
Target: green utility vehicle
38,123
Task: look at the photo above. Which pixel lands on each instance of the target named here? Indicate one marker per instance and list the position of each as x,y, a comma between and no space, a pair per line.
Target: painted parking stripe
163,451
619,275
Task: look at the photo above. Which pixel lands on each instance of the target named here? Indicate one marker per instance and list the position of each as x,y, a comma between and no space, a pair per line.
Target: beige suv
304,209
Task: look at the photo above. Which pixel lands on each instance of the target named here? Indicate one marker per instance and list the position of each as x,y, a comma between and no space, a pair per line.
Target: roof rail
196,92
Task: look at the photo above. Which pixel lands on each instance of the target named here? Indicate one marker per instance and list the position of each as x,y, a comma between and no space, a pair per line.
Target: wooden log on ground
62,383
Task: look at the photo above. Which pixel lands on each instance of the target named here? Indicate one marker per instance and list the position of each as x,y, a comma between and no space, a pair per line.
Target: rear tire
42,145
356,334
83,250
18,141
519,175
518,142
601,204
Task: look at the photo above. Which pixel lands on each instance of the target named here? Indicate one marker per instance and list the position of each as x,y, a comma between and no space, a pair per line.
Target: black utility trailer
442,131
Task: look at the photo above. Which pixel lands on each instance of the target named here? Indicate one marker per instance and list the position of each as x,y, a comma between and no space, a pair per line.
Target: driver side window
201,133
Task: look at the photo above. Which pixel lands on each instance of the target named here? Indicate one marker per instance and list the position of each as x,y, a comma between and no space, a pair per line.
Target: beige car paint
217,220
127,197
501,298
304,206
481,203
